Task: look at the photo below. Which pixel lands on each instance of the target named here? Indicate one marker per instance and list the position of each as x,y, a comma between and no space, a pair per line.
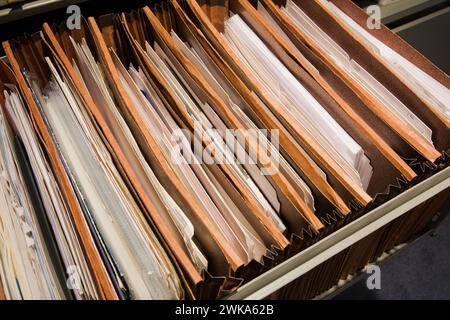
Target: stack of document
129,240
299,103
56,210
354,70
174,153
426,87
25,267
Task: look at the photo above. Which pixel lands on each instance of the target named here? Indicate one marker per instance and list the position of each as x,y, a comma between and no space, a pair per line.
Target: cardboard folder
246,99
382,154
360,53
286,193
99,271
287,142
218,265
296,62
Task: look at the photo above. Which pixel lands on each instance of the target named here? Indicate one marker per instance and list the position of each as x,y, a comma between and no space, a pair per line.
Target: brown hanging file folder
101,277
145,64
361,54
202,22
296,61
399,45
371,142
